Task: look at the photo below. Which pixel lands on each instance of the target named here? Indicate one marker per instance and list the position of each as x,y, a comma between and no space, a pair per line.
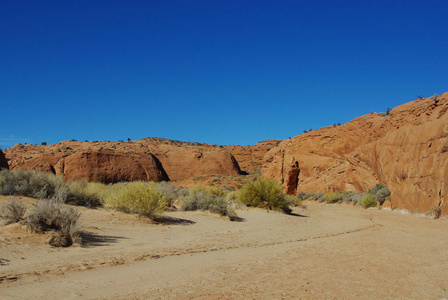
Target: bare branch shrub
13,211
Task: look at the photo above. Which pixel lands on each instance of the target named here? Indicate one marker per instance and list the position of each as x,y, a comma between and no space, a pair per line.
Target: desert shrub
209,190
376,188
307,196
347,197
12,211
435,212
381,195
232,196
293,200
32,183
82,192
368,201
265,193
172,192
319,197
206,202
333,197
49,214
356,198
136,197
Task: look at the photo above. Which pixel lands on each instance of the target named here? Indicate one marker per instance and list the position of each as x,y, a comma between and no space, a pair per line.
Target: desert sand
320,252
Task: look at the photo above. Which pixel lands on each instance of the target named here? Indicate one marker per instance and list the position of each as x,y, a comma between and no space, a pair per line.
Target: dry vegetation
147,199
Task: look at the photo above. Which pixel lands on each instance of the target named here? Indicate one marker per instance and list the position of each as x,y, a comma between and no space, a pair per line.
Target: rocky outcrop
407,150
180,163
147,159
109,167
3,161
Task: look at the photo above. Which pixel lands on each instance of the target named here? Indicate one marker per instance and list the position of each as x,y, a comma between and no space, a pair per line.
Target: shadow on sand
297,215
165,220
90,239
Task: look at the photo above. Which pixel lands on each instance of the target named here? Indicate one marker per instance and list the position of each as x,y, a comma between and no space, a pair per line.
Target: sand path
325,251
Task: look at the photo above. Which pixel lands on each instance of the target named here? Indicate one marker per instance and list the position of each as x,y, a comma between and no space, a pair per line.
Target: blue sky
218,72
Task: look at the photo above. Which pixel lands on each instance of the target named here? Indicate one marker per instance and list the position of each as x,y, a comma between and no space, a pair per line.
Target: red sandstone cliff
147,159
407,150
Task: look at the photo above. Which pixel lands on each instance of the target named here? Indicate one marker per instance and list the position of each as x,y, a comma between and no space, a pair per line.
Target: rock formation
407,150
109,167
147,159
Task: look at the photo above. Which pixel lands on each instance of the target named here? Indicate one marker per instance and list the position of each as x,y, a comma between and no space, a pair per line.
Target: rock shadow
90,239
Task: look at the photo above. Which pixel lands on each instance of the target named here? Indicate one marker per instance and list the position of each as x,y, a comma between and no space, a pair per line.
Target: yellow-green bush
293,200
86,193
265,193
136,197
368,201
206,189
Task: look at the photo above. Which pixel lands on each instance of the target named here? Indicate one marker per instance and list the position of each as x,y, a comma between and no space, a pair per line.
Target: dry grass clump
293,201
333,197
206,202
13,211
82,192
264,193
206,189
172,193
136,197
368,201
49,214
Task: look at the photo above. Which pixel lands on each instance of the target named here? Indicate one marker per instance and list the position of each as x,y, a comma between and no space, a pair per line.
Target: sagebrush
49,214
205,202
31,183
13,211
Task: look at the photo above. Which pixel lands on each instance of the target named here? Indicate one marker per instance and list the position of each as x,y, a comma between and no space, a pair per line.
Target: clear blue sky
219,72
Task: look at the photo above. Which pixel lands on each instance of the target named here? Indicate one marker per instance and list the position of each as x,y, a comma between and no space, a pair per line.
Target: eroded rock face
407,150
147,159
180,163
3,161
109,167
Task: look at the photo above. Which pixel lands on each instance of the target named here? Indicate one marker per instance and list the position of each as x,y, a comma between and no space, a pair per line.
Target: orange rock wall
145,159
407,150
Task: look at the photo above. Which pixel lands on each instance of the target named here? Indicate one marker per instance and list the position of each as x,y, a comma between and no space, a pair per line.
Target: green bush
136,197
32,183
265,193
368,201
205,202
209,190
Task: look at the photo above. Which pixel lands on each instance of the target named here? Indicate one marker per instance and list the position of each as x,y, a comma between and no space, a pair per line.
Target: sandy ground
322,252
